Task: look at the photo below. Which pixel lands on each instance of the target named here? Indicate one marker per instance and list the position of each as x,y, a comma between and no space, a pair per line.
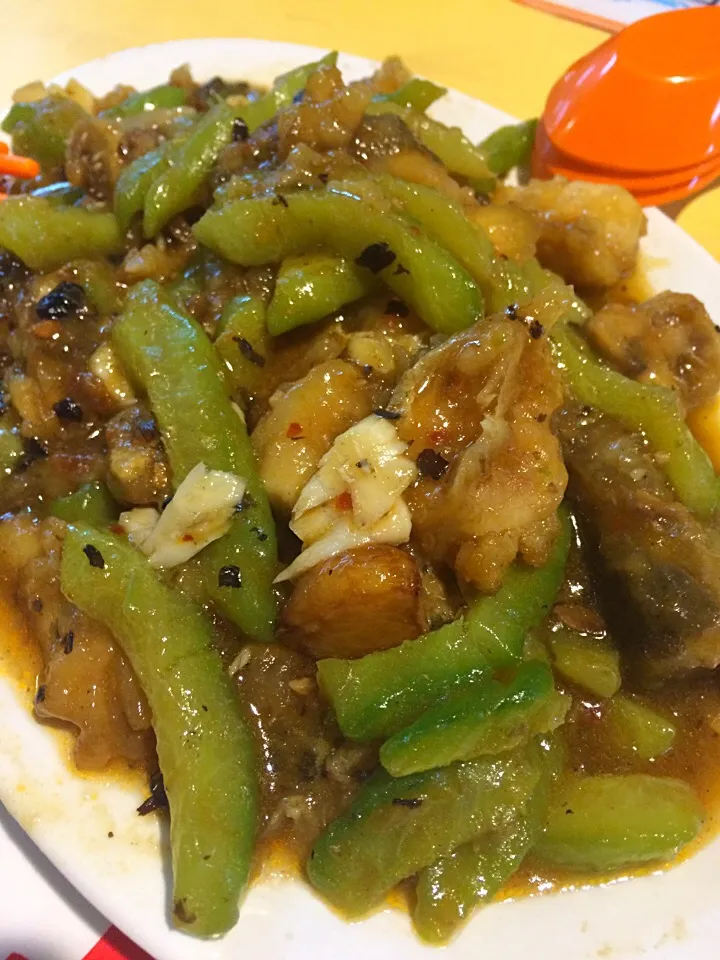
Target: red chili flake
46,329
118,529
188,538
344,501
437,437
294,431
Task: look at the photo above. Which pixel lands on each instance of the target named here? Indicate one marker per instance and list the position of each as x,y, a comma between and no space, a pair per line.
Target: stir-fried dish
348,491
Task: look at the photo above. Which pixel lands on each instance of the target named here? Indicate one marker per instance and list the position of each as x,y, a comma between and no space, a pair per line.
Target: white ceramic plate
118,860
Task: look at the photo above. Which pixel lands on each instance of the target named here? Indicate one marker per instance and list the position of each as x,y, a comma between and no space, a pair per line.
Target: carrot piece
24,167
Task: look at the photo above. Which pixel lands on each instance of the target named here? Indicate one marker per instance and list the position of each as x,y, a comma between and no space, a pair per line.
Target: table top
504,53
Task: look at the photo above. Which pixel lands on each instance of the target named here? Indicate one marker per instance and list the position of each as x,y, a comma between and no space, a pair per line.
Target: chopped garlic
139,523
105,365
366,461
355,497
199,513
394,528
370,350
74,90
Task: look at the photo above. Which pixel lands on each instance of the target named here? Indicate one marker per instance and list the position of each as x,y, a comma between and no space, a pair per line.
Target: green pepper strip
448,891
487,719
312,287
91,504
136,179
165,97
589,662
99,281
190,161
651,409
619,820
284,90
41,129
445,222
175,364
377,695
509,147
417,94
449,144
395,827
638,730
263,230
241,343
46,236
204,744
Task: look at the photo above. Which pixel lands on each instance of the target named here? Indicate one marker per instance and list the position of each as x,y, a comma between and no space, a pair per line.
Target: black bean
94,556
68,409
376,257
386,414
511,311
157,799
249,351
182,913
536,329
260,534
40,695
68,642
247,501
12,269
432,464
410,802
397,308
240,130
229,577
67,298
35,448
37,605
